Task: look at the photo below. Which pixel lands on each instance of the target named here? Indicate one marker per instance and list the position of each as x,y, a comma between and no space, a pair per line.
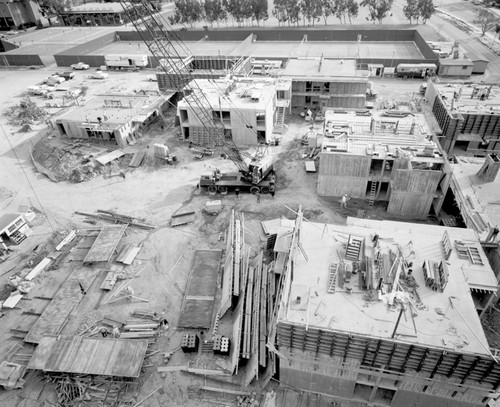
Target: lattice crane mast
167,47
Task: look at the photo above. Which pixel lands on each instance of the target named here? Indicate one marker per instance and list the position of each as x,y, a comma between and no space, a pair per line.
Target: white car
80,66
54,80
99,75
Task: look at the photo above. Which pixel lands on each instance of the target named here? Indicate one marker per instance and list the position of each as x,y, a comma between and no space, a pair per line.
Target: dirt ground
153,191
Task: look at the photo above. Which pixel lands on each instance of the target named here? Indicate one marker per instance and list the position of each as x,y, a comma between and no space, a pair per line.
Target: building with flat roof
247,107
468,115
385,313
118,119
383,156
319,83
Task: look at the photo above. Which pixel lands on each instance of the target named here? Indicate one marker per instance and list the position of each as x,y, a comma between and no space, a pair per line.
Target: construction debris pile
27,112
73,162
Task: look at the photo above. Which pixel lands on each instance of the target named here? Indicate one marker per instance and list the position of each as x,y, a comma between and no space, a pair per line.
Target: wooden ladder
373,192
280,120
332,277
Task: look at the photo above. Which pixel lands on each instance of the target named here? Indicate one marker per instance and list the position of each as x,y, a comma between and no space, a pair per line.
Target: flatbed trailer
232,181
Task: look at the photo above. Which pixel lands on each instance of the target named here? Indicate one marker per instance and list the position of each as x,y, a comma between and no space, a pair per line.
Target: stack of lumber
138,330
114,217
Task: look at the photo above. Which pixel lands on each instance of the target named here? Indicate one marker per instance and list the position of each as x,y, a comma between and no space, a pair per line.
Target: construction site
245,218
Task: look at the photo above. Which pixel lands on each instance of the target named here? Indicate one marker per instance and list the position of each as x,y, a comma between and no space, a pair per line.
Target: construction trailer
383,156
132,61
320,83
385,313
13,228
468,116
117,119
246,107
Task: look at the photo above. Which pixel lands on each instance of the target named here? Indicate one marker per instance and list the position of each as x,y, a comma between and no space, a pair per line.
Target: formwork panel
331,185
344,165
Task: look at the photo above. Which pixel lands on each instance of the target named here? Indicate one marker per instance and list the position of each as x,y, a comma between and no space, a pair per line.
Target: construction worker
258,197
343,201
237,192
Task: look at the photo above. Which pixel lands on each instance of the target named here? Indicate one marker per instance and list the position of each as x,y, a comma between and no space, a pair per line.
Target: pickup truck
66,75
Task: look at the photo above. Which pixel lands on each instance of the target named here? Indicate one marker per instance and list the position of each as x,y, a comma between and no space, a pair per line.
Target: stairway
353,248
373,192
280,120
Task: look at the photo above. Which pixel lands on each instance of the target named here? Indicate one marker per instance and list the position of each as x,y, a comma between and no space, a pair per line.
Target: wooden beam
455,365
436,367
471,369
422,360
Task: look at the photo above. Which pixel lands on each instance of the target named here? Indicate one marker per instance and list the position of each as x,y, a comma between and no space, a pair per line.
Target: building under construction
118,119
383,156
319,83
250,109
469,117
384,313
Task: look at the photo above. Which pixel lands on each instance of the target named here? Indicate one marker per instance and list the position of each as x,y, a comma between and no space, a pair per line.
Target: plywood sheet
105,244
106,357
54,316
200,294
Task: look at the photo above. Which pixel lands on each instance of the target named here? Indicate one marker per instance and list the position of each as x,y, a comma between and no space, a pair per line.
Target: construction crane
174,58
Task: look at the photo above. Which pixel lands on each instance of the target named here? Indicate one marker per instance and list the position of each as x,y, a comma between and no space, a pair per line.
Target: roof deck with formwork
470,99
446,320
381,134
237,94
319,68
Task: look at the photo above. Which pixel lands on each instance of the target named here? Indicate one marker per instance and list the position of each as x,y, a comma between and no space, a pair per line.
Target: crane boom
164,46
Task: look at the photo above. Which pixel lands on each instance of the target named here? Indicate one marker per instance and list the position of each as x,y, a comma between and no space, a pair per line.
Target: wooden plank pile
82,390
113,217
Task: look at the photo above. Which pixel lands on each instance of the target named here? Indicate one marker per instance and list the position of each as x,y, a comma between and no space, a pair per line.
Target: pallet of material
137,159
128,253
114,217
145,314
183,218
110,280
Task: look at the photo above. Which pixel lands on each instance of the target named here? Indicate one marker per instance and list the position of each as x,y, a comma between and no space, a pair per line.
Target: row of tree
189,12
293,12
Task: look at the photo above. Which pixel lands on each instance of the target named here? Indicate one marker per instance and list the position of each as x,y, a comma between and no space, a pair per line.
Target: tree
411,10
378,9
187,12
52,7
340,9
326,9
287,11
311,10
214,11
486,20
352,9
259,9
426,8
240,10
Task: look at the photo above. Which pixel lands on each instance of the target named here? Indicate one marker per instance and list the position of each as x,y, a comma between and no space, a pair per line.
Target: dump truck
134,61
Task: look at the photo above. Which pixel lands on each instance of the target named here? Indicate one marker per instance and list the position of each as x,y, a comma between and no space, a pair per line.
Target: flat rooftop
54,40
98,8
478,198
320,68
447,320
113,110
383,134
229,94
285,49
470,99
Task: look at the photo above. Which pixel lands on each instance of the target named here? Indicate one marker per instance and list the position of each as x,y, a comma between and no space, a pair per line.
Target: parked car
66,75
80,66
54,80
99,75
